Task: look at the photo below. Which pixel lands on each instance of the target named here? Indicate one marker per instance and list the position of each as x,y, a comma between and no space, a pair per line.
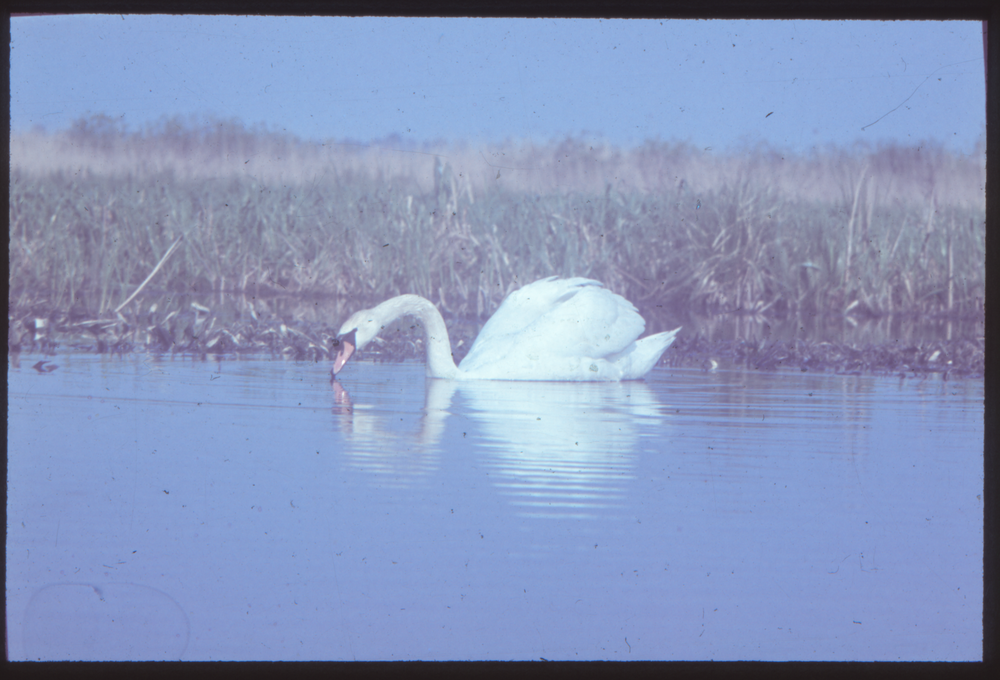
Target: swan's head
356,332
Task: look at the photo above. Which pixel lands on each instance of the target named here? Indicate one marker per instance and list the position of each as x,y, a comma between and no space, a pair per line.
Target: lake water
167,508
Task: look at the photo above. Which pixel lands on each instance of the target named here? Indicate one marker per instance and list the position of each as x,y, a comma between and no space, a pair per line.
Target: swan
553,329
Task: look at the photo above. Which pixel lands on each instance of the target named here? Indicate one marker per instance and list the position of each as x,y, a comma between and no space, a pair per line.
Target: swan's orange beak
347,345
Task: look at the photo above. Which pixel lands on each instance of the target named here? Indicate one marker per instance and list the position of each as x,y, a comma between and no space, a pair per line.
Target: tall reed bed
862,232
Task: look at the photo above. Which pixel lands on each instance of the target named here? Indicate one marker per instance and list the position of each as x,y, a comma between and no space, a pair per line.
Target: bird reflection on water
559,449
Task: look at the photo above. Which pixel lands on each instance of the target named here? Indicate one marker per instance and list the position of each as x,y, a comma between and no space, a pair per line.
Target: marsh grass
857,233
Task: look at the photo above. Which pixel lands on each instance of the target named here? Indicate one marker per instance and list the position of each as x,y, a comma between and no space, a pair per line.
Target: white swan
553,329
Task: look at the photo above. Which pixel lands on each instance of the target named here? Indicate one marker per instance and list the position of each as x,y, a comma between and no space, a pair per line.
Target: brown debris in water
197,332
953,358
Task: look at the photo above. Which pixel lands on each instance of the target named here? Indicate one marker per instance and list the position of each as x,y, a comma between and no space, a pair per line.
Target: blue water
170,508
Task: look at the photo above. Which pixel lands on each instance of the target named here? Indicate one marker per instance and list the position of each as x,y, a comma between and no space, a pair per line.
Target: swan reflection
553,449
560,449
387,433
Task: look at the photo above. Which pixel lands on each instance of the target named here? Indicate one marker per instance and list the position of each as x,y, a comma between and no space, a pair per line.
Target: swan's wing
594,323
518,311
525,305
556,318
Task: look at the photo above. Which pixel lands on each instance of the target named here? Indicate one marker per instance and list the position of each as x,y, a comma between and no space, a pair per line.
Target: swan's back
560,329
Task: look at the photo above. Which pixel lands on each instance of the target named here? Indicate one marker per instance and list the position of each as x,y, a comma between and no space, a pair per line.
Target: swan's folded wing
593,324
518,312
586,321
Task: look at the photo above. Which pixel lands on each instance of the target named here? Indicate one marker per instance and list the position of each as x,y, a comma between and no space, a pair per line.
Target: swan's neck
440,362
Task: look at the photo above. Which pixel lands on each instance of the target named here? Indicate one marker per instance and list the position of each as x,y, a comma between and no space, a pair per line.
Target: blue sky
792,84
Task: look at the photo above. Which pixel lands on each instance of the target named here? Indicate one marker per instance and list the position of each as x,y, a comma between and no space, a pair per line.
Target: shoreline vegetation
212,238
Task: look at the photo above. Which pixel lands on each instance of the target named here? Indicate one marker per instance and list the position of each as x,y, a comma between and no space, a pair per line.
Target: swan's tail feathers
647,352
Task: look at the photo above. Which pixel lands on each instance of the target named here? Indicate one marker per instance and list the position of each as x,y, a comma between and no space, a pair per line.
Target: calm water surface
163,508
